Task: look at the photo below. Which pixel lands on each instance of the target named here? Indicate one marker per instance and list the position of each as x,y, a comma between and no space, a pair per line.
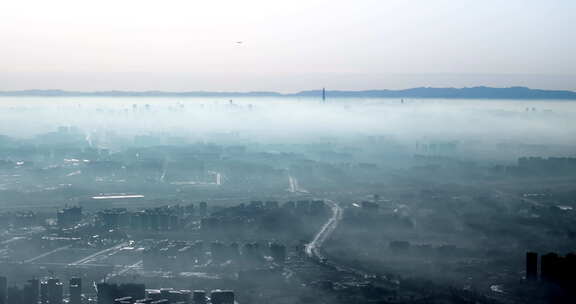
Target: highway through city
312,249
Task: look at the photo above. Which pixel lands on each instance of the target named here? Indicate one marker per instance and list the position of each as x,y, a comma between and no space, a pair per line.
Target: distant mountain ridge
472,92
421,92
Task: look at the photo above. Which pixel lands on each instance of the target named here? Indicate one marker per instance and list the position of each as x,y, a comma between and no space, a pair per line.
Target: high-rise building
531,265
57,296
199,297
55,291
549,266
44,292
75,290
222,297
31,291
14,295
107,292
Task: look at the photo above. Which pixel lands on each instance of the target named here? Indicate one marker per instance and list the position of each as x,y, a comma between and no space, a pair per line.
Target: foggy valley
286,200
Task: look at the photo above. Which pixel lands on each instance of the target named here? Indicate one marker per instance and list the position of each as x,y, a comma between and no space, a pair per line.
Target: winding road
312,249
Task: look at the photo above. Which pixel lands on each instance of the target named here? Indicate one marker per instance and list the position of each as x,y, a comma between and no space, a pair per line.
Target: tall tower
323,94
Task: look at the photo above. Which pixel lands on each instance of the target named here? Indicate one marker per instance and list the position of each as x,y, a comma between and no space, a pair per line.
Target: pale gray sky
287,45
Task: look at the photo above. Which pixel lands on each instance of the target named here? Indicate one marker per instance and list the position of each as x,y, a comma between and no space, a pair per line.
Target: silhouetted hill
423,92
475,92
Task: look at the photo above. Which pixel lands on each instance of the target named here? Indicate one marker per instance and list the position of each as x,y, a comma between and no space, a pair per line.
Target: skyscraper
55,291
32,291
44,292
549,266
75,291
531,265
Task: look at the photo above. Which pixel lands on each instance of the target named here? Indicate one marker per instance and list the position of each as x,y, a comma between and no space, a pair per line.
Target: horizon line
478,92
320,89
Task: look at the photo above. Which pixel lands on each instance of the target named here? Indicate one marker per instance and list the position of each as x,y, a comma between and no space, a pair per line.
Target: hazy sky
287,45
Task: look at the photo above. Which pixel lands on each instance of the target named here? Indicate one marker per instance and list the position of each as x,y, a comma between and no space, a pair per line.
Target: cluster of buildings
69,216
166,218
34,291
241,218
555,166
301,207
556,269
306,207
223,223
109,293
52,291
18,219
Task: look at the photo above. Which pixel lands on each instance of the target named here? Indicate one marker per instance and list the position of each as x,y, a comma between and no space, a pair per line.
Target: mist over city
312,152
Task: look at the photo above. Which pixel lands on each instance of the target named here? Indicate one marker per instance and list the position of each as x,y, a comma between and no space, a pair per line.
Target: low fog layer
535,122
